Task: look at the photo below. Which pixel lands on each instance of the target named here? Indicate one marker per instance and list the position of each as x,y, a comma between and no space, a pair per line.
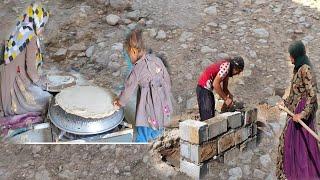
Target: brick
185,149
203,152
216,126
242,134
226,141
231,155
193,131
193,170
234,119
250,116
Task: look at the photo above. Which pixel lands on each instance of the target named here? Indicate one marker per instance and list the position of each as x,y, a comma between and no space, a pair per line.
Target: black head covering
297,50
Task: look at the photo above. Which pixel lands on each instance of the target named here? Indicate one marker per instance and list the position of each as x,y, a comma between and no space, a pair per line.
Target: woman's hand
117,104
297,117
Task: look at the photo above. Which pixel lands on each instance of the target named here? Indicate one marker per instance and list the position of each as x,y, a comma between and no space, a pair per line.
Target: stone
216,126
261,33
121,4
212,10
273,100
192,103
276,128
186,36
206,49
203,152
116,170
223,55
133,15
235,172
245,2
226,141
89,51
152,33
60,54
265,160
78,47
258,174
193,170
117,47
230,156
213,24
246,170
42,174
307,39
127,168
161,35
188,76
247,72
250,143
223,26
246,157
234,119
242,134
66,174
112,19
193,131
252,54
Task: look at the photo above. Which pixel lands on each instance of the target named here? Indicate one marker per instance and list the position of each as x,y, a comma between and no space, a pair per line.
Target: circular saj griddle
82,126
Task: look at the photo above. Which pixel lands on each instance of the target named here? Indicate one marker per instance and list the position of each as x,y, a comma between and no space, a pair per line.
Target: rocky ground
86,37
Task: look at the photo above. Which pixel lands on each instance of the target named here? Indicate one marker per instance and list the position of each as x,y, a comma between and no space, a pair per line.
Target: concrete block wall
225,135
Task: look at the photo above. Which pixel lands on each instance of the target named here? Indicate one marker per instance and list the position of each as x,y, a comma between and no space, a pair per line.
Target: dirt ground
191,35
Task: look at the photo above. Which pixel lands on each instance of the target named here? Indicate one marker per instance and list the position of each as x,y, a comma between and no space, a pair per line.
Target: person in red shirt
215,78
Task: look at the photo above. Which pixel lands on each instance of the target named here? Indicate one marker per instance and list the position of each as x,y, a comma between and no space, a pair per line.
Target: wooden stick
301,122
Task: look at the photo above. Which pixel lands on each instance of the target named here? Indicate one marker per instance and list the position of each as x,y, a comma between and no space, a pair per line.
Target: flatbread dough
86,101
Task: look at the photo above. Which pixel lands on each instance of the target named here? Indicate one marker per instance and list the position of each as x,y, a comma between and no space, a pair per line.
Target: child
151,77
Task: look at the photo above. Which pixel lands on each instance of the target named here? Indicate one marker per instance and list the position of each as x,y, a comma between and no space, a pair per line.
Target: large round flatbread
86,101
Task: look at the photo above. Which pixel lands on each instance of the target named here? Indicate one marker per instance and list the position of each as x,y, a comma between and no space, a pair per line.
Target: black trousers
206,103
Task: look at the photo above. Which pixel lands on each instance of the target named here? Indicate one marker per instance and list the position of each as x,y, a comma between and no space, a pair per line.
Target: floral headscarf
26,28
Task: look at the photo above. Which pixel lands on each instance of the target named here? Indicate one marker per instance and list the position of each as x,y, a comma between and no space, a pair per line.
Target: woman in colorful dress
215,78
21,85
299,155
152,79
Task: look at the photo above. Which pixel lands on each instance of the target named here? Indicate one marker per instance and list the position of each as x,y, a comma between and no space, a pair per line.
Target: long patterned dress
298,153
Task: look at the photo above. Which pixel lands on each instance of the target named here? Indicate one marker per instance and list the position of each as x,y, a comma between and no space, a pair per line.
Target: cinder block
193,131
226,141
250,116
185,149
193,170
231,155
234,119
242,134
216,126
203,152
